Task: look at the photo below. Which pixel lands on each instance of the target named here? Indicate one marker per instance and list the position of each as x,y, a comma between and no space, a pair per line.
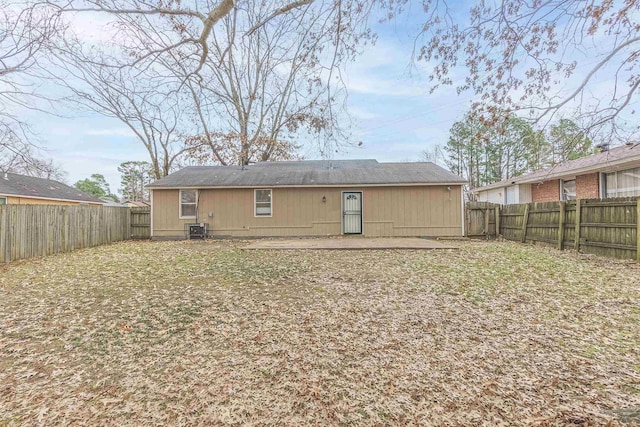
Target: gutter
24,196
221,187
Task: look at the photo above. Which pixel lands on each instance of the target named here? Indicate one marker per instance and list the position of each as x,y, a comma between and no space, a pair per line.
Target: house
136,204
309,198
613,172
18,189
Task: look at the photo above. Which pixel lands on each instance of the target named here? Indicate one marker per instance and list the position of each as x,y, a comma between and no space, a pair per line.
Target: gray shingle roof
605,161
309,172
29,186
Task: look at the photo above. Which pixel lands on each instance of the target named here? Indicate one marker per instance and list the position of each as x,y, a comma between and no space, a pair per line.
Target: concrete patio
350,243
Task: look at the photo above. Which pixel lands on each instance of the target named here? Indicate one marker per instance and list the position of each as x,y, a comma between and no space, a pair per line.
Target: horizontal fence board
601,203
607,245
602,225
548,210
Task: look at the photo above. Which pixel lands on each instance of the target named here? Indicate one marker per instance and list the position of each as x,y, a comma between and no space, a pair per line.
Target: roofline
222,187
594,168
51,198
578,171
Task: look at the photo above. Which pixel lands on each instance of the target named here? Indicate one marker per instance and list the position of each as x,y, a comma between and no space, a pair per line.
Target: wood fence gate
140,223
480,218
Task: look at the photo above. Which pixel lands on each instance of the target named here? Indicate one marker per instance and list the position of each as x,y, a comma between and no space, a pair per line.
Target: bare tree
540,57
148,106
266,86
18,155
24,34
434,155
263,73
200,17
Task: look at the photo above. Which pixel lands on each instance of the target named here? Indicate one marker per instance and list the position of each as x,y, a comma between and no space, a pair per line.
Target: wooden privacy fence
140,223
28,231
607,227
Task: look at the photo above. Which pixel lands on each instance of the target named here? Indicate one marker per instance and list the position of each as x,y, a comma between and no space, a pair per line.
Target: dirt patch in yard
207,333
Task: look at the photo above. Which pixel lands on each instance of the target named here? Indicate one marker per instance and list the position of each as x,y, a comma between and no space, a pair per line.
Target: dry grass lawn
192,333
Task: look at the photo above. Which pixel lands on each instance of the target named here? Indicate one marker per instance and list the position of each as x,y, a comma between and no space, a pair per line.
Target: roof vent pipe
6,176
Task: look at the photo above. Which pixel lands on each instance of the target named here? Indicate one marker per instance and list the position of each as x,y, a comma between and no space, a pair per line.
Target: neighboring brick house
611,173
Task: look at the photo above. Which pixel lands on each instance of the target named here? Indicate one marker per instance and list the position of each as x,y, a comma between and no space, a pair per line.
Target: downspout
151,213
463,211
197,204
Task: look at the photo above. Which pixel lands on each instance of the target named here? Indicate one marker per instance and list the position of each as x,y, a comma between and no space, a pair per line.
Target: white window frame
180,204
603,183
516,190
5,200
255,203
562,181
604,186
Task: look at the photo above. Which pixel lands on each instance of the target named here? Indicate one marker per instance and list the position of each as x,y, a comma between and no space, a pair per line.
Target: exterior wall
14,200
548,191
495,195
387,211
588,186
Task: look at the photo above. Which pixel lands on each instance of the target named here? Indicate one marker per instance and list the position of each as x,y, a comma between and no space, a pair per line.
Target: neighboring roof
112,203
28,186
309,173
136,204
610,160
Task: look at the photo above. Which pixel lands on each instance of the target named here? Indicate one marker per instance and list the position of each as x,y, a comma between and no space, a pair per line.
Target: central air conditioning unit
196,231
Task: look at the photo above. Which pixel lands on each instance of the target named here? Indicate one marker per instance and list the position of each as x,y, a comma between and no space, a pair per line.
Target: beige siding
387,211
17,200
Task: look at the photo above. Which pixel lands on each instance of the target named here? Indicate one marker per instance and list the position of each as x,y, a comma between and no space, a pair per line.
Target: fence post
466,219
563,207
127,233
638,230
576,234
497,214
486,222
525,220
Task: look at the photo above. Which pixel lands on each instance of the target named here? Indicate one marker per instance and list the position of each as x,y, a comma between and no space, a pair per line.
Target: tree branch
277,12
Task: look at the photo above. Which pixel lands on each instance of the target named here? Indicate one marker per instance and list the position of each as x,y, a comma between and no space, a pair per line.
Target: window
510,195
568,190
188,203
262,202
624,183
3,200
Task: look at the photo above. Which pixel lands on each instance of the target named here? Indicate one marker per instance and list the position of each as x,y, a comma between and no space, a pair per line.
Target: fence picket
603,227
561,219
28,231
